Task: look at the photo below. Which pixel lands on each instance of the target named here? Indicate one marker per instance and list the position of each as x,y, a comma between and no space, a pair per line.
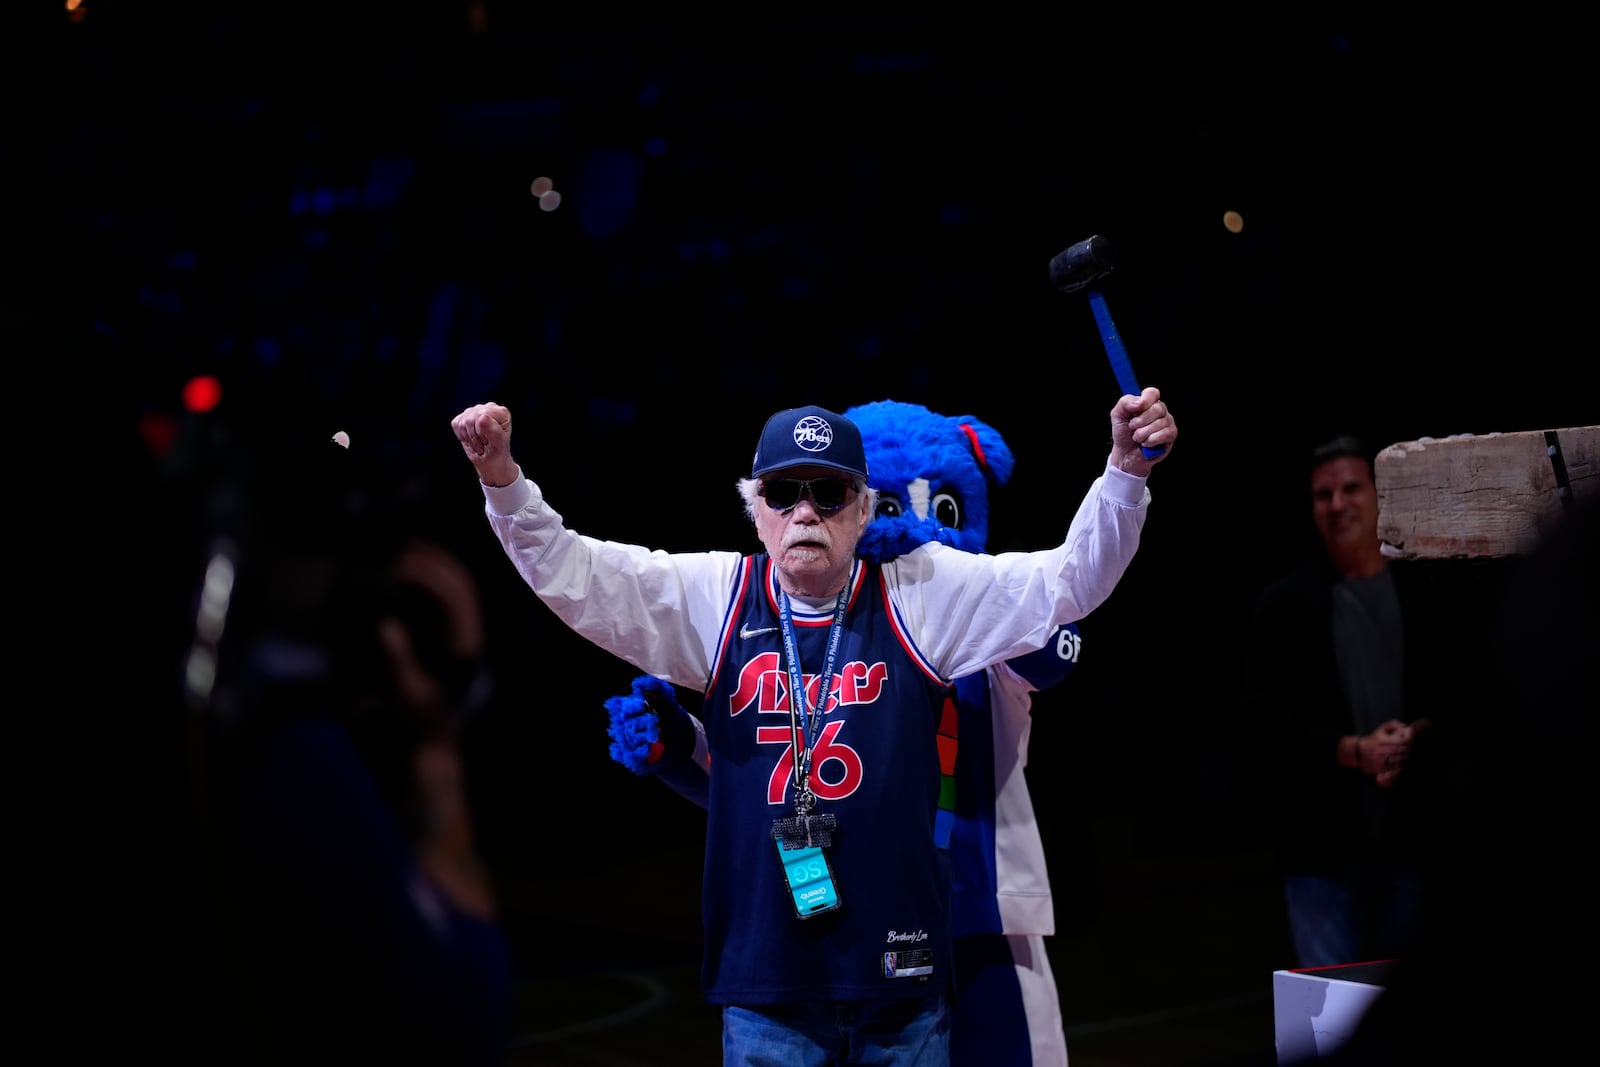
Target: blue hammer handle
1118,356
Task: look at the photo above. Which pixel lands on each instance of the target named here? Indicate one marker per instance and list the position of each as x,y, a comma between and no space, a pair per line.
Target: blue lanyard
812,715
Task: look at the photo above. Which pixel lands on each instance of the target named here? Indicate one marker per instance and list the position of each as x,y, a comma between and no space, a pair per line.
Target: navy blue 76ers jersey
876,767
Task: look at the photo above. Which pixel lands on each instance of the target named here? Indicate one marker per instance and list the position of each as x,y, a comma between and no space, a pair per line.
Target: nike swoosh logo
745,631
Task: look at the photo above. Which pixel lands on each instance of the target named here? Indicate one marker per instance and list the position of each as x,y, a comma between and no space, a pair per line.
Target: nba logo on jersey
912,965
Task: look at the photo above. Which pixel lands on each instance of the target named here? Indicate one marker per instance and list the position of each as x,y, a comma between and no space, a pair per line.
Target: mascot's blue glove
649,726
887,539
651,733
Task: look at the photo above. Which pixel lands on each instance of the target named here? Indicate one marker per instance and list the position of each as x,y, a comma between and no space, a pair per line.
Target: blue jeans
1354,916
902,1033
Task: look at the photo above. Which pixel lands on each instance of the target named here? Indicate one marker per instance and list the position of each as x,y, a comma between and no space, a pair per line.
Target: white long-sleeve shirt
663,612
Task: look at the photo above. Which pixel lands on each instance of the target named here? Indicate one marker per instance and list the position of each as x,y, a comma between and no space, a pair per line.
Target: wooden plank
1480,495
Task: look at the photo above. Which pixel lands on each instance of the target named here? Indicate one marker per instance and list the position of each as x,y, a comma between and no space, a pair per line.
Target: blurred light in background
202,393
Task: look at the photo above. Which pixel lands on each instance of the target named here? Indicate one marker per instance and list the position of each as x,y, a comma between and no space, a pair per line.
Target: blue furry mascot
933,473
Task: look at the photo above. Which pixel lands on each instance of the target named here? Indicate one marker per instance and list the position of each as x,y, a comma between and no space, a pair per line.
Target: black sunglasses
828,494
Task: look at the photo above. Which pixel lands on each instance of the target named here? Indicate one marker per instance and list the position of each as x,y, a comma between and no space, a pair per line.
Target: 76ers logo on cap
813,433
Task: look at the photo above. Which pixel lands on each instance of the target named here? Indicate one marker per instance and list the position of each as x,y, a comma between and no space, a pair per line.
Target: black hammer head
1081,265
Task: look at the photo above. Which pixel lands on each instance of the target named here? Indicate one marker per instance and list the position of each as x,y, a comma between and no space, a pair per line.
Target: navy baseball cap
810,437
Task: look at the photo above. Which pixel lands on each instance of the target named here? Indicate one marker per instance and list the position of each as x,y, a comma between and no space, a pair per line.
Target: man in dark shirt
1350,659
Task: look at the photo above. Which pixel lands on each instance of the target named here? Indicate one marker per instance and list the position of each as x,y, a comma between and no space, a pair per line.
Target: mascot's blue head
932,473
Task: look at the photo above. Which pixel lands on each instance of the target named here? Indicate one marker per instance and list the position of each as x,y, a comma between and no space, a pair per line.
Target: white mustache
812,537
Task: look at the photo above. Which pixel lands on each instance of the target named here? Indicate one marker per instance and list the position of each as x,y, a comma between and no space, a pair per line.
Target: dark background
329,210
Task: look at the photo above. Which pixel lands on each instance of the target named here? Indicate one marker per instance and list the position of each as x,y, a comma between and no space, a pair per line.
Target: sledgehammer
1080,267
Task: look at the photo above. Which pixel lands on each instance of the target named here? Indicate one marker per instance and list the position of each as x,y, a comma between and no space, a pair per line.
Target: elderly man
827,709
